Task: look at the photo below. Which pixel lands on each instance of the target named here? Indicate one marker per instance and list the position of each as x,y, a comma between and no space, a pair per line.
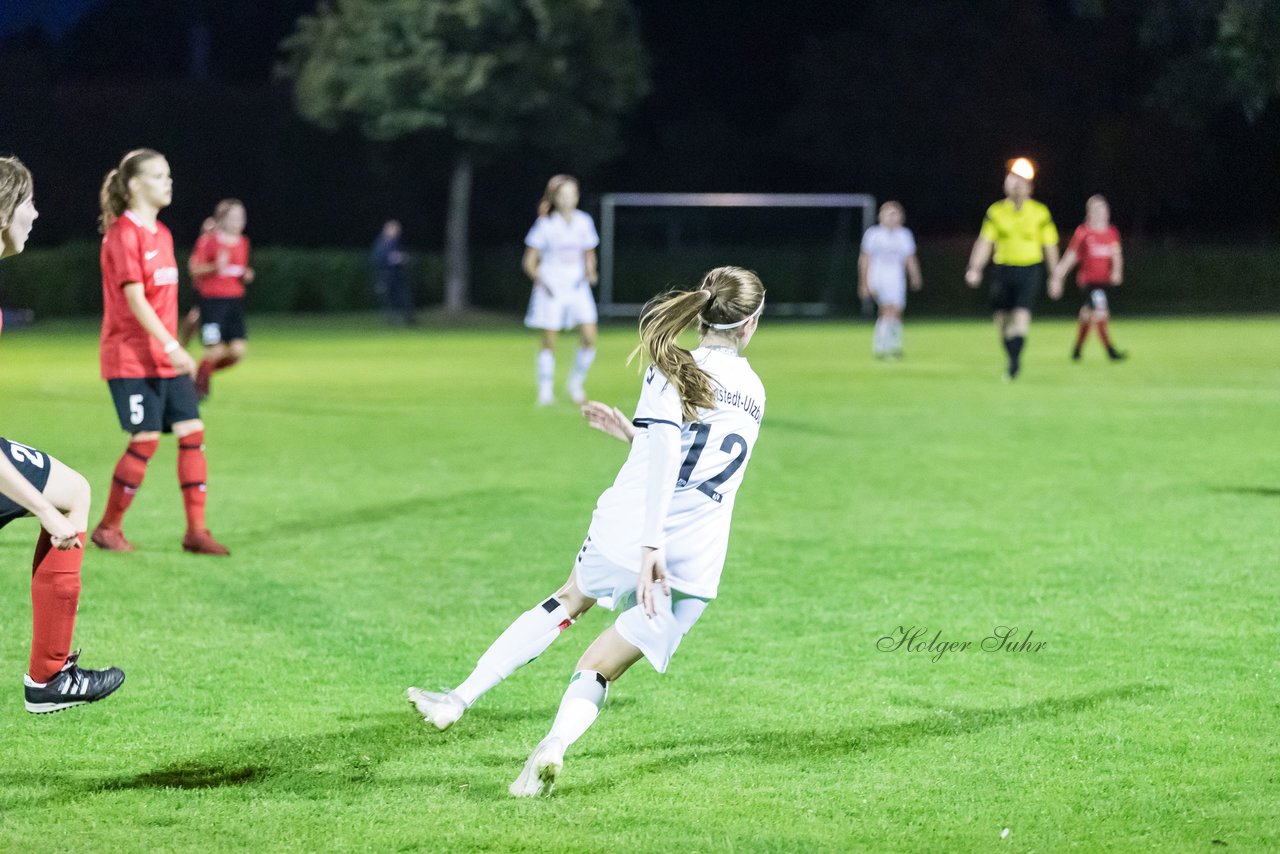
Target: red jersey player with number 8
148,372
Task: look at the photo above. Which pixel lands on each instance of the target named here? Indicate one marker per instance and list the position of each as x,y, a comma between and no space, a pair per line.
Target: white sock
896,334
523,641
582,364
580,706
546,372
879,342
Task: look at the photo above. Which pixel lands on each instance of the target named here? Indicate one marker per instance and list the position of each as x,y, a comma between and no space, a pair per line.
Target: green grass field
393,500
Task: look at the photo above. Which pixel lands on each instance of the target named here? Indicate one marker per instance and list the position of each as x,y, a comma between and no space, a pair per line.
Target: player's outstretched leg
1082,332
605,661
523,641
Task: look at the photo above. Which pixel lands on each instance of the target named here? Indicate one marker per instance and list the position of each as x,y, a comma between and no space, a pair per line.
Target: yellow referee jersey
1019,235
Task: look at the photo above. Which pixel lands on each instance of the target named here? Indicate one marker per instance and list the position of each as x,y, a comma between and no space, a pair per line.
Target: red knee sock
1104,334
55,592
128,476
1082,332
225,362
193,472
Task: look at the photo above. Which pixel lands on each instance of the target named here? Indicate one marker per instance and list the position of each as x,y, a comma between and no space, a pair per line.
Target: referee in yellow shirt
1021,232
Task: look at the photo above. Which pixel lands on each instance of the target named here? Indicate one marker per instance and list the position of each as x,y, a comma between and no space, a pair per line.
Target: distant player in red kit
191,320
148,372
33,483
1096,245
220,269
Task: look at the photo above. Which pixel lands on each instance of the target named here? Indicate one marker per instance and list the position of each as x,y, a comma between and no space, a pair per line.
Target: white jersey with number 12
714,453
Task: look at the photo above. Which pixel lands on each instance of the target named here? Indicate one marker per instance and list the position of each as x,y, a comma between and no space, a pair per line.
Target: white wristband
171,347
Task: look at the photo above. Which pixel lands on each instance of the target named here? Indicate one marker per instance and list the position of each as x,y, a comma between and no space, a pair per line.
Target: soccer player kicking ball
34,483
656,545
146,369
1096,244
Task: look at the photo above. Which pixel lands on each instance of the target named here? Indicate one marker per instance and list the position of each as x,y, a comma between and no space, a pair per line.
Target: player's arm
609,420
200,263
593,274
1117,266
664,466
864,265
247,278
135,295
18,489
532,258
913,272
978,259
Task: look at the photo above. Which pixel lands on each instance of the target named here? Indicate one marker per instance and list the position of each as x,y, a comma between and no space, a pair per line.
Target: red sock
225,362
128,476
1082,332
202,375
55,592
1103,334
193,471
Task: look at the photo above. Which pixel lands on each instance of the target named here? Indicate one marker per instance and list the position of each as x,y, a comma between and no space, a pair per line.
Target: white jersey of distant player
561,243
887,251
714,452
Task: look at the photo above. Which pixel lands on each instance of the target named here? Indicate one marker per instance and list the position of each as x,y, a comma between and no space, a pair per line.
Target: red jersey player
220,268
148,372
34,483
1096,245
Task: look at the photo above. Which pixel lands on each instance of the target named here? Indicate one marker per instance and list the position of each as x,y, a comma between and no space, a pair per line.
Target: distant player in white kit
888,252
560,258
657,541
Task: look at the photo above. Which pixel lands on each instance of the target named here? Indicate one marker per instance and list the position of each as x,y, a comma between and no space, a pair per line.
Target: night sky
915,100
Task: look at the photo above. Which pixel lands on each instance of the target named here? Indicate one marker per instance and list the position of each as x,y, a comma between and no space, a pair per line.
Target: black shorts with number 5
31,464
154,404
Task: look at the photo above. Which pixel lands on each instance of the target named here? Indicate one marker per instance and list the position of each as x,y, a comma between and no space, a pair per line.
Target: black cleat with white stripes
71,686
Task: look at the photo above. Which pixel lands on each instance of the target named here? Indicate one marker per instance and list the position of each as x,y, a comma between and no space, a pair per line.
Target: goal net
803,245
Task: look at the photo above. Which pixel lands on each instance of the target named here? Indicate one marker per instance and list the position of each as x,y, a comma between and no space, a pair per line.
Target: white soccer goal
808,287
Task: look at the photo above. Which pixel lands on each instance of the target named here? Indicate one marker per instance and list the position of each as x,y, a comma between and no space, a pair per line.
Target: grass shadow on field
783,745
317,762
373,514
1248,491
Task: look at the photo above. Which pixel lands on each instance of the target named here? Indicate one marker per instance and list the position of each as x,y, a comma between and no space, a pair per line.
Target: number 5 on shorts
135,409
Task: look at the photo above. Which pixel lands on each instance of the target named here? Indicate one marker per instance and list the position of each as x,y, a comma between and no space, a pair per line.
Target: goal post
851,208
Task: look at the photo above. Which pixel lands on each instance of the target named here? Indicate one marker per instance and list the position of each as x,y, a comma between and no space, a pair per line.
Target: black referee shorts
1015,287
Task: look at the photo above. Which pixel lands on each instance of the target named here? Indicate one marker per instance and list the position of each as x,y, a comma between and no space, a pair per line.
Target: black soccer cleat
71,686
1117,355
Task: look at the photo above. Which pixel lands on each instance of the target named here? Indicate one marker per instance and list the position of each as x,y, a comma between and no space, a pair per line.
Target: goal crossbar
610,202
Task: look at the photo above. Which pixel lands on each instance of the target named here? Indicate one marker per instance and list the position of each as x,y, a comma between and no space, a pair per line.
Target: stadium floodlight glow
610,202
1023,168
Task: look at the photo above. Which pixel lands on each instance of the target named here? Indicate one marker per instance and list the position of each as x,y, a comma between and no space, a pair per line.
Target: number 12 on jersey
708,487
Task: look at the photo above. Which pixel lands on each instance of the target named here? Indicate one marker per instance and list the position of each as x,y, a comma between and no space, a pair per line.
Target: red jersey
1095,249
228,279
133,253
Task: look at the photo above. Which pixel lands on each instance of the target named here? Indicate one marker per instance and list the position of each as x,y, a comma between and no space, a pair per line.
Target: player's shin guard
523,641
126,480
580,706
193,473
55,593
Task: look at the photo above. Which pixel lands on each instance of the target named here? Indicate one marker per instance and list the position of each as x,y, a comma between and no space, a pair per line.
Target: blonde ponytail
727,296
113,198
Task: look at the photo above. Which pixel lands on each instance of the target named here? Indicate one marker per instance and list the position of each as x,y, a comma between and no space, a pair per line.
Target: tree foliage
488,74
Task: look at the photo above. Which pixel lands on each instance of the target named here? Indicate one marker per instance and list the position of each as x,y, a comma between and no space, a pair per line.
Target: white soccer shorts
566,311
614,587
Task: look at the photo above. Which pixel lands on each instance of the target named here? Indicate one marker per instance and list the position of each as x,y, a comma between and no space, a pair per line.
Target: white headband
755,313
